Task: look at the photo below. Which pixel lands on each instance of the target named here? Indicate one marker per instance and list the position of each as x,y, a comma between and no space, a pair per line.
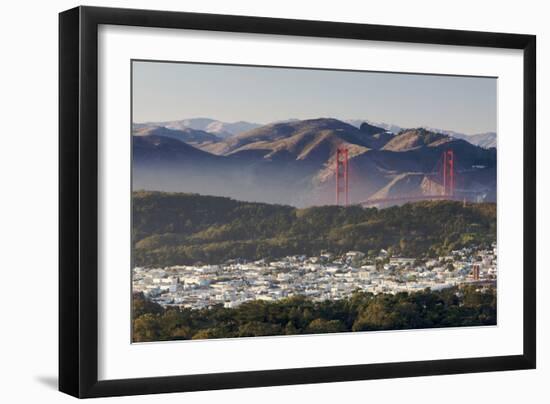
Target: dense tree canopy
171,229
450,307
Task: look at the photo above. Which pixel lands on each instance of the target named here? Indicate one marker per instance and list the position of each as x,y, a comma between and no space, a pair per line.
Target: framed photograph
251,201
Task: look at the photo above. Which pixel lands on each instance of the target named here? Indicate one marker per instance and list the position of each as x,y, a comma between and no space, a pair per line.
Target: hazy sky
171,91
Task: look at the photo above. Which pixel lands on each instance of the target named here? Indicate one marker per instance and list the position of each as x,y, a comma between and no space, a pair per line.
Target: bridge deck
407,198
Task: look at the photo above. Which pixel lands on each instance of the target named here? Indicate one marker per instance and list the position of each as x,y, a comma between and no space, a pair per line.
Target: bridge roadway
377,201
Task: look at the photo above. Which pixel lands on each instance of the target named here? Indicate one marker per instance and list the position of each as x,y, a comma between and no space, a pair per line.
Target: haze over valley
293,162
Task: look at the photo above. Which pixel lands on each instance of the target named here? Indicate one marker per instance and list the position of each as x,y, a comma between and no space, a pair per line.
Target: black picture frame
78,201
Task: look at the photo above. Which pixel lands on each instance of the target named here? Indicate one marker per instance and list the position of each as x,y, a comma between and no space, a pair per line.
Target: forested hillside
176,228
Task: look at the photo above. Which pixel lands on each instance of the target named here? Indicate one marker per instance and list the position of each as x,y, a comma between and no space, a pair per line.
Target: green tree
320,325
146,328
375,316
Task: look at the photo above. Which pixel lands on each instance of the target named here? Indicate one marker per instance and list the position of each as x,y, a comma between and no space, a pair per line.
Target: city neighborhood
324,277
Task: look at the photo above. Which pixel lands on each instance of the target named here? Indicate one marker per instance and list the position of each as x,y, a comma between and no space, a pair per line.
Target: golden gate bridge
444,176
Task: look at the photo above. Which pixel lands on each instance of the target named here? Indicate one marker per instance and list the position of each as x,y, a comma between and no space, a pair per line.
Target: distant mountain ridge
218,128
312,139
161,149
292,162
226,130
411,139
187,135
386,126
485,140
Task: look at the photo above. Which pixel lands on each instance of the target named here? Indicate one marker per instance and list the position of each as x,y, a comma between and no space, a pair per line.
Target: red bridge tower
341,175
448,173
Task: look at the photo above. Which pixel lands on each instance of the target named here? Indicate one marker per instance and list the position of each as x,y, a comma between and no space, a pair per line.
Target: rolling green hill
176,228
